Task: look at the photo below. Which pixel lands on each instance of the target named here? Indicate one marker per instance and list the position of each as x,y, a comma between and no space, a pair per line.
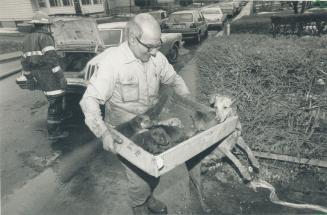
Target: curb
10,56
7,74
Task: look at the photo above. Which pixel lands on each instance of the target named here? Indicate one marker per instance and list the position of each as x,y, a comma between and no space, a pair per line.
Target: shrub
252,24
277,85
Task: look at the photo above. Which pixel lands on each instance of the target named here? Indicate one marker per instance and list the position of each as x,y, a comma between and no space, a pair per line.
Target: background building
13,12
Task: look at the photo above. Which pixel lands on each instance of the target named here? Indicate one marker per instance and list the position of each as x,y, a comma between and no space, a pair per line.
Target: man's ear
131,38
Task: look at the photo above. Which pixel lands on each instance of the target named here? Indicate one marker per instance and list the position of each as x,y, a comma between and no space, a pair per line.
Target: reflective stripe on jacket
40,57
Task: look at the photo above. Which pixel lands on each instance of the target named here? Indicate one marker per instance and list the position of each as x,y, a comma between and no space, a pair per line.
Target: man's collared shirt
127,86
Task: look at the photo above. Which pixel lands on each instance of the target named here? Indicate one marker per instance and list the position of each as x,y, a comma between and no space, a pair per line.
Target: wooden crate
182,108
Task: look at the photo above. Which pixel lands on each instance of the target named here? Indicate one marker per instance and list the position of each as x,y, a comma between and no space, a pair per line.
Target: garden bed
252,24
279,86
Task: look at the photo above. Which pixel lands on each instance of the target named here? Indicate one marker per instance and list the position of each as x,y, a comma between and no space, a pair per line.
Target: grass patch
278,88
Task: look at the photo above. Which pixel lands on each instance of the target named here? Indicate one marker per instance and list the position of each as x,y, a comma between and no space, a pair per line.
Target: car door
197,20
164,17
202,23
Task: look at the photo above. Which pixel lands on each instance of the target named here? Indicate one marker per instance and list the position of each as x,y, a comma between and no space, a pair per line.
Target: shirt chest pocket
129,90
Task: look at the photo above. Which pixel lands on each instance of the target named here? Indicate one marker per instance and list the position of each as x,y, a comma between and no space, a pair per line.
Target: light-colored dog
223,105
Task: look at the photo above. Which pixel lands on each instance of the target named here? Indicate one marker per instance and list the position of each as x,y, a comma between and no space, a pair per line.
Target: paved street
99,187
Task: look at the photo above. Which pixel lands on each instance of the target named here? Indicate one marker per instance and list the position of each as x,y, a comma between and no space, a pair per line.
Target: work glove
26,83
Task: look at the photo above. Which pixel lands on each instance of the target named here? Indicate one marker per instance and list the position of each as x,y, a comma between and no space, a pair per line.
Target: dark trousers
55,115
141,185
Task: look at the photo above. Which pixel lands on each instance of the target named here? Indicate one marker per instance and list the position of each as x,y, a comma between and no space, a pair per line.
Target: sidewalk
10,56
9,64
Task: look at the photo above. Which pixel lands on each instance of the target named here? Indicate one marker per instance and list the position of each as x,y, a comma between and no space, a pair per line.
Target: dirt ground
100,186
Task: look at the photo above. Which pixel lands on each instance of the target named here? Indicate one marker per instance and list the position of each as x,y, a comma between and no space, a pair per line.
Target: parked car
77,40
113,35
214,17
190,23
228,8
80,40
160,15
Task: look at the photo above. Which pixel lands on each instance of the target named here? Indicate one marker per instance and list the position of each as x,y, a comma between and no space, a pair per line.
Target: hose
274,198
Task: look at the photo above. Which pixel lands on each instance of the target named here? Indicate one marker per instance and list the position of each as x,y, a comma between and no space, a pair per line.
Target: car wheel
173,54
206,33
72,105
198,37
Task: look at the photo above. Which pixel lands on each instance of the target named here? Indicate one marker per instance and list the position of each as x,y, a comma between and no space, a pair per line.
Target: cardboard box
183,109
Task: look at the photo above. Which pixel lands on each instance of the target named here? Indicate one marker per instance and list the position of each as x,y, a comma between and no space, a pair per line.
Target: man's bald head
143,34
144,26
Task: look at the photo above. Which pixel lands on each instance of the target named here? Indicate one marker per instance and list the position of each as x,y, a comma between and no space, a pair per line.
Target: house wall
98,8
86,9
14,10
166,1
124,3
59,10
23,10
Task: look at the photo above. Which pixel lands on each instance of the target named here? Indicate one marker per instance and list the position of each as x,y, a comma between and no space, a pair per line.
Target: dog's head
223,105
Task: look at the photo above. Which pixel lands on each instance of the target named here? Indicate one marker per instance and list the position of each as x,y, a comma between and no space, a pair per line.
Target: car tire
206,33
72,105
173,54
198,38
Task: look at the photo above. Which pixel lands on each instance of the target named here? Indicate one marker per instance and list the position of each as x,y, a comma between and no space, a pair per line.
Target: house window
42,3
66,2
54,3
97,1
85,2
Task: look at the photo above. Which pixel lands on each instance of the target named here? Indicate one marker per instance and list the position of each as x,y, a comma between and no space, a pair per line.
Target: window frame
42,1
59,3
98,2
89,2
69,1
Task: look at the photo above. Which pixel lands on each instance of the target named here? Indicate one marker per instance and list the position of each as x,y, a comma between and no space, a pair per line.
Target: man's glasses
150,47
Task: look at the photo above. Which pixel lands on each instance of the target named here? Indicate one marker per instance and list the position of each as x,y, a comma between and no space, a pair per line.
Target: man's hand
108,143
63,83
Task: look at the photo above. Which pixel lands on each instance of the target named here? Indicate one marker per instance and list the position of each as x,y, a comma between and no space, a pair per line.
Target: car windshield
181,17
211,11
156,15
111,37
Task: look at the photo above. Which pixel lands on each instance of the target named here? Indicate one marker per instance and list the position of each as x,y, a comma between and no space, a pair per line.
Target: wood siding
20,10
166,1
124,3
96,8
11,10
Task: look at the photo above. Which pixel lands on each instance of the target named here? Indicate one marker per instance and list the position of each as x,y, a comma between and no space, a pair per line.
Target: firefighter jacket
41,60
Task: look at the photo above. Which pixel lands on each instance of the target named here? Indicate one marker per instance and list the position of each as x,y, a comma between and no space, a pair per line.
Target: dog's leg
237,163
246,148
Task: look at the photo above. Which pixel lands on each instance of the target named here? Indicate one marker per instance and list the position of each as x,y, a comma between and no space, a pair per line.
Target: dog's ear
212,99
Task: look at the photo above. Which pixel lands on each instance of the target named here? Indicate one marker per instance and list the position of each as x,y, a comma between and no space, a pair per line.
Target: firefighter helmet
40,18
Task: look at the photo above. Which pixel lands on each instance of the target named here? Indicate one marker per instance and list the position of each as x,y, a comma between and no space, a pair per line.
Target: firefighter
40,63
